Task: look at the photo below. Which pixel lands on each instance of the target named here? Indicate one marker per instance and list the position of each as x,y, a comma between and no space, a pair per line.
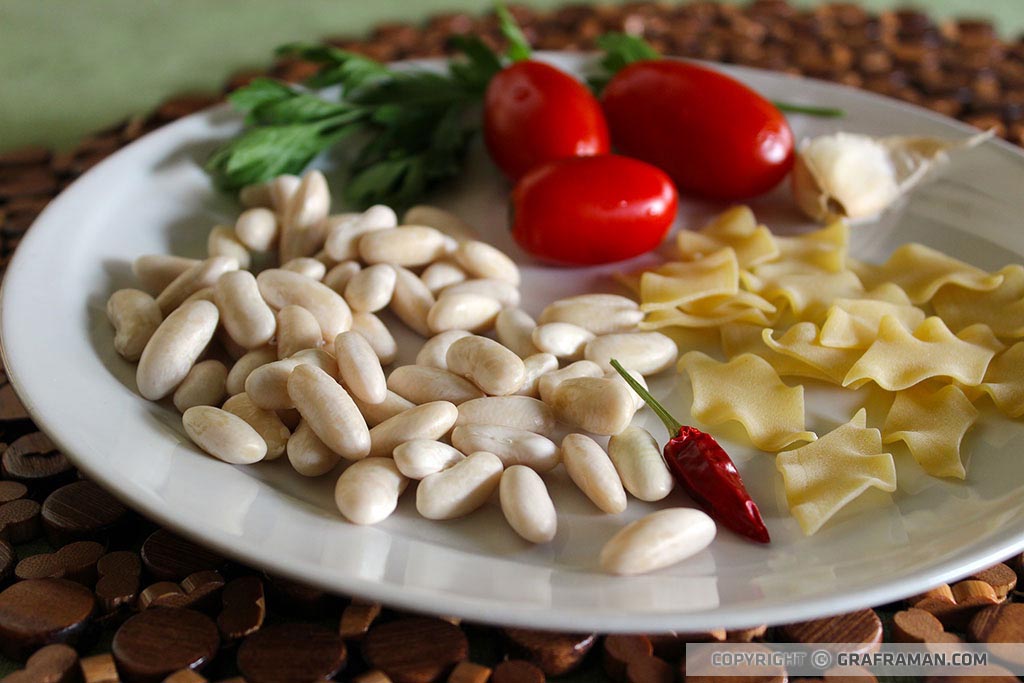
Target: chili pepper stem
671,424
809,110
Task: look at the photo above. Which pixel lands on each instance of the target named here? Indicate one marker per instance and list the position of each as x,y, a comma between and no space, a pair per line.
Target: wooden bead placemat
90,591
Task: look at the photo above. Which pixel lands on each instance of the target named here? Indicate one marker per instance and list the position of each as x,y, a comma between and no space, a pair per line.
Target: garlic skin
857,177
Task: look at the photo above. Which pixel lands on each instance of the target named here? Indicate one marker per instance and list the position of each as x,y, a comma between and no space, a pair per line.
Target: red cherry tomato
534,113
716,137
589,210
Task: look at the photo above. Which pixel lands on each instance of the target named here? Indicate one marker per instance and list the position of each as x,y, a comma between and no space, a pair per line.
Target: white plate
153,197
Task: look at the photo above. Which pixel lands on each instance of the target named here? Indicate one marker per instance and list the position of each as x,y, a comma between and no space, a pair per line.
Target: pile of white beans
295,359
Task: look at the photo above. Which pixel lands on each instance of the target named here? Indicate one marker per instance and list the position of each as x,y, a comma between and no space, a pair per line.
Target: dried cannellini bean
368,491
203,274
256,228
308,266
514,328
370,289
297,330
441,274
592,471
658,540
442,220
244,366
527,505
255,195
345,231
599,313
512,446
330,412
377,334
434,352
487,364
359,368
338,276
225,436
204,294
423,384
595,404
267,385
281,190
156,271
324,258
135,317
504,292
308,454
174,348
289,417
409,246
246,316
282,287
233,349
460,489
640,465
521,412
202,386
411,301
562,340
637,401
481,260
467,311
535,367
421,457
646,352
428,421
266,423
302,226
582,368
375,413
222,241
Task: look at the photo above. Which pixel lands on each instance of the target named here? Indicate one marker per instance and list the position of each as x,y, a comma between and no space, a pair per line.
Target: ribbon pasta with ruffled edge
933,425
1002,308
921,271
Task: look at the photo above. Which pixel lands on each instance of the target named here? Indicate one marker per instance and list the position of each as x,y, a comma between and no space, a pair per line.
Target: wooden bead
468,672
8,560
849,674
968,598
35,461
1000,577
244,608
372,676
12,490
80,511
990,673
169,557
119,575
356,620
157,642
40,612
185,676
415,649
746,635
915,626
1001,627
863,627
554,653
620,650
75,561
19,521
702,663
517,671
672,646
292,597
941,593
99,669
283,653
51,664
649,669
197,591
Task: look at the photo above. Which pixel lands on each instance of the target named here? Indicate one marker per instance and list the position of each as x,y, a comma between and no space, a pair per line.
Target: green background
69,67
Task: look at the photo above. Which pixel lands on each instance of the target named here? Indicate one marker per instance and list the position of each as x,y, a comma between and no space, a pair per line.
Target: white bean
594,404
460,489
421,457
506,293
222,241
514,328
423,384
599,313
297,330
338,276
487,364
330,412
438,218
411,301
408,246
266,423
174,348
282,287
592,471
256,228
371,289
428,421
562,340
233,349
658,540
202,386
223,435
646,352
281,189
267,385
289,417
204,294
308,454
434,352
512,446
255,195
368,491
375,413
441,274
359,368
308,266
345,231
246,316
640,465
536,366
244,366
465,311
637,401
156,271
547,384
135,317
521,412
481,260
527,505
377,334
302,227
203,274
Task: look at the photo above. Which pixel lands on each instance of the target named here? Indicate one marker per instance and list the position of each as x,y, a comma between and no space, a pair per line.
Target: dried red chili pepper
705,471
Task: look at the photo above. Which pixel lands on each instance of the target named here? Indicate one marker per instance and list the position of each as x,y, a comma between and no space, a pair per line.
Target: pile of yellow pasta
936,332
